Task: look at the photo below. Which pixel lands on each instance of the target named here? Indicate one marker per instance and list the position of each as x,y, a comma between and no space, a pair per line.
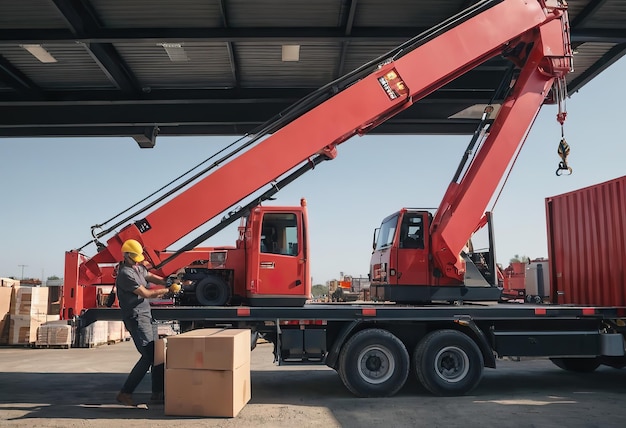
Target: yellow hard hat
134,248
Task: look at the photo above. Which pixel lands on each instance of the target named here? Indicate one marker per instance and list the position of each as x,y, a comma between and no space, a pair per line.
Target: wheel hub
376,364
452,364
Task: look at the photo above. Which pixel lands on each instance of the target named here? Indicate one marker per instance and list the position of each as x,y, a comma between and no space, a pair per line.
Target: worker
133,291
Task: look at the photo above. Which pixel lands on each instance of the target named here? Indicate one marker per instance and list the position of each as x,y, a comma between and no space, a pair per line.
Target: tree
319,290
53,277
519,259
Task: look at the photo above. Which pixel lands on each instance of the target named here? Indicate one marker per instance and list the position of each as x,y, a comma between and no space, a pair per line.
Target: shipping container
586,245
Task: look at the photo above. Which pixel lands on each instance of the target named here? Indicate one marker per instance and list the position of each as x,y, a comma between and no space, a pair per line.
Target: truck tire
374,363
448,363
578,365
212,291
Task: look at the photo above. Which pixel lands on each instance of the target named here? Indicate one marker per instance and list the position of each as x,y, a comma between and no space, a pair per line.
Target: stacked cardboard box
29,309
23,328
116,331
5,306
60,335
54,334
207,372
9,282
94,334
30,301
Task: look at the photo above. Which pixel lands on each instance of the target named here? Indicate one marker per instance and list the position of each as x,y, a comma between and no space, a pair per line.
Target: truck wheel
578,365
374,363
448,362
212,291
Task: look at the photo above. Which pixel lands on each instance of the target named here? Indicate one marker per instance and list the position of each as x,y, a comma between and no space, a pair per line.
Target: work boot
157,398
126,399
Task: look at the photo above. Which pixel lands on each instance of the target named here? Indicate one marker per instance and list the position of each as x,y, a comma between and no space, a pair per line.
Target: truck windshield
387,232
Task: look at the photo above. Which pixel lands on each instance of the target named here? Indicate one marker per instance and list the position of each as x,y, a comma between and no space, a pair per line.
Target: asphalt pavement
76,388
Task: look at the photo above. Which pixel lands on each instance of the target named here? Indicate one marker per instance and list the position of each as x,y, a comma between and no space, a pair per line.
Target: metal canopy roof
215,67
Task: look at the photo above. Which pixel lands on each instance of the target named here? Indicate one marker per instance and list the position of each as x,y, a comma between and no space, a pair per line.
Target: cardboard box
115,331
209,349
29,301
55,333
4,330
5,306
9,282
159,351
94,334
23,328
218,393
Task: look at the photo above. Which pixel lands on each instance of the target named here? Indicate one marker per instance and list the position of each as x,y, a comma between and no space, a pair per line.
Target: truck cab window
279,234
412,235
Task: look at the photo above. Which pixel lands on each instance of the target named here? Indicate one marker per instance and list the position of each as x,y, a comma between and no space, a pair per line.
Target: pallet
64,346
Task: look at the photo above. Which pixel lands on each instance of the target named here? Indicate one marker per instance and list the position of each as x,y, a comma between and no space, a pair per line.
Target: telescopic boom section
465,201
372,100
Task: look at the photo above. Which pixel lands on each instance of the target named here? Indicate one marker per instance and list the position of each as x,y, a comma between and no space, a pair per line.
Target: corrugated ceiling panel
611,15
158,14
574,7
586,56
293,13
360,53
74,67
262,65
17,14
399,13
208,65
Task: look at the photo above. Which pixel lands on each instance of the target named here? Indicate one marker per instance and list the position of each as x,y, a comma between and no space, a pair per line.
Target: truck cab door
412,266
280,275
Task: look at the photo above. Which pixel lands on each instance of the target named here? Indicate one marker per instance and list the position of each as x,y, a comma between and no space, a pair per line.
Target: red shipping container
587,245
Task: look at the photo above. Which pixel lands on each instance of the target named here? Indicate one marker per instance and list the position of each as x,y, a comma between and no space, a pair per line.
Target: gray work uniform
137,318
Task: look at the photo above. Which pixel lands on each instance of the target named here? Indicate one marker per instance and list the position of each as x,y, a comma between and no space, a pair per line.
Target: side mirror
375,238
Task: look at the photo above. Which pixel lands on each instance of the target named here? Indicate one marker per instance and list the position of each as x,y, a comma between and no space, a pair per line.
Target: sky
53,189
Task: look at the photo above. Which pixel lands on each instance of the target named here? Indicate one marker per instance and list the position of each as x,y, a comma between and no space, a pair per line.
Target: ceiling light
291,53
40,53
475,112
175,51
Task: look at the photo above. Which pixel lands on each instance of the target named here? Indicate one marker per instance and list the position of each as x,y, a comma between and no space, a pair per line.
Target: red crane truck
264,279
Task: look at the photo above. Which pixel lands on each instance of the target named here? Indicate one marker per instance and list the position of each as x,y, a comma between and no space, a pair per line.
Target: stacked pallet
115,332
55,334
5,306
94,334
28,311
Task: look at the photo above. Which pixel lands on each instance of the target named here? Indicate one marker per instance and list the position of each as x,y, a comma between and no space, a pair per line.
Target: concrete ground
76,388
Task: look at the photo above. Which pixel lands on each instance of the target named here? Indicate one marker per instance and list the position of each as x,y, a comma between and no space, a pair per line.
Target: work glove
174,287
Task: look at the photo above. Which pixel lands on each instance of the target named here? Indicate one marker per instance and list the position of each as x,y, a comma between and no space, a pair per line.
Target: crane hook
560,92
563,152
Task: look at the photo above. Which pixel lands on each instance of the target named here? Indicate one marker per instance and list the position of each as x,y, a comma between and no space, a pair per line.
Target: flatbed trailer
376,347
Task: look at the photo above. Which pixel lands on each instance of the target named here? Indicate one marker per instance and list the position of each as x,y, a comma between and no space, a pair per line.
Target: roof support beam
234,68
82,19
348,24
587,13
17,80
394,35
598,35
